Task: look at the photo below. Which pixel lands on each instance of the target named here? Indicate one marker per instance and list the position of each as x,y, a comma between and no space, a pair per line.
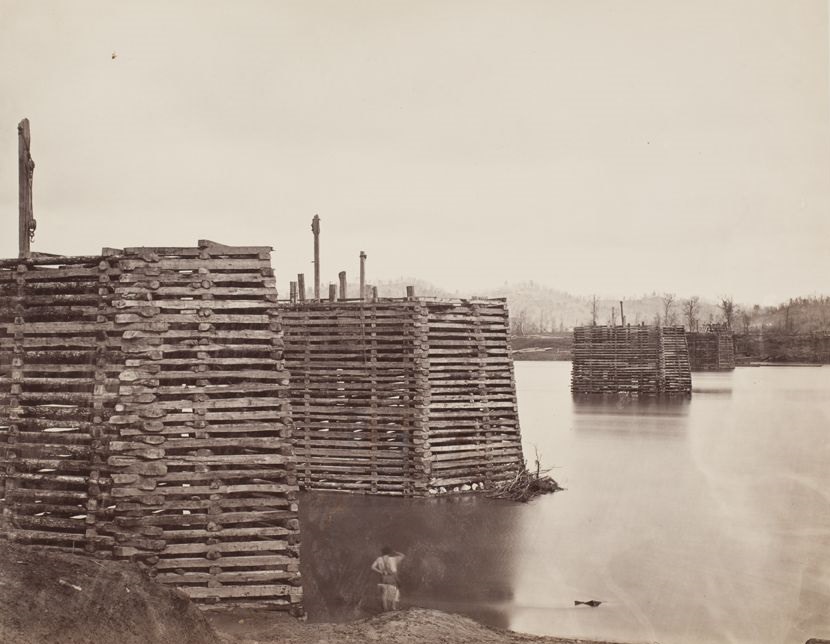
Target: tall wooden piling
332,292
315,228
26,169
362,275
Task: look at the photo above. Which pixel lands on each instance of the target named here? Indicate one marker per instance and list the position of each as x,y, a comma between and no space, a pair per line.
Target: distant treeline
796,331
759,345
779,346
798,315
542,318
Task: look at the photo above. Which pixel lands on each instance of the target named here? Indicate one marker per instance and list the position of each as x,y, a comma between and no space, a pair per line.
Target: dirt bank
49,597
413,626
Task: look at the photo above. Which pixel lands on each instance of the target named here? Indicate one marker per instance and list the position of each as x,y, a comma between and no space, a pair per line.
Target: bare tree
691,308
519,323
669,317
727,307
746,320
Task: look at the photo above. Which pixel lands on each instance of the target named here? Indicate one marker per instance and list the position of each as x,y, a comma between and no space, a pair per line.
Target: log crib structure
408,397
144,415
712,350
634,360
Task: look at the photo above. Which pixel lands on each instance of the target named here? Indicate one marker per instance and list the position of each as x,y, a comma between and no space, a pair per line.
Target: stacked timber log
402,396
59,366
473,421
634,360
145,417
711,351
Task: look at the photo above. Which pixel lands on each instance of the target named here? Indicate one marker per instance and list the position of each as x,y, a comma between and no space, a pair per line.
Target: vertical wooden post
410,292
622,314
315,228
342,276
301,287
332,292
374,294
362,275
292,292
26,169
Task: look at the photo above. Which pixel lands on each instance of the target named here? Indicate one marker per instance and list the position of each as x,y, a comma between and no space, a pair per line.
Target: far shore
779,350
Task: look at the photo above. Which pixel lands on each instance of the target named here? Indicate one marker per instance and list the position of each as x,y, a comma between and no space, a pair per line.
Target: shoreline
545,355
407,626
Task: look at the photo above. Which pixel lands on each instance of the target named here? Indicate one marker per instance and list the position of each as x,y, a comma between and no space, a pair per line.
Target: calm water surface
694,521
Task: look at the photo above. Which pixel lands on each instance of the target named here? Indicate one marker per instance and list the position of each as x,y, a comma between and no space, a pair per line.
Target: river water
703,520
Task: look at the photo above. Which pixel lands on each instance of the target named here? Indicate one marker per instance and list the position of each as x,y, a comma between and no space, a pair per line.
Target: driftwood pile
525,485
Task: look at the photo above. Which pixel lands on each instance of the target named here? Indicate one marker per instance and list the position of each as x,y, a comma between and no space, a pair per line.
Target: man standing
387,567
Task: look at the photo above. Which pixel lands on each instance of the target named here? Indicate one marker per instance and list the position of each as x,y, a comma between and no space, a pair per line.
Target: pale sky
612,147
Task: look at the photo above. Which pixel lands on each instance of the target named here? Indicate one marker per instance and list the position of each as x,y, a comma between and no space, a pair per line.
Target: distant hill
798,315
397,288
535,308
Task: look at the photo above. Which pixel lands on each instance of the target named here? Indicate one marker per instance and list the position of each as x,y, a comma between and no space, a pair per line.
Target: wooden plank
241,591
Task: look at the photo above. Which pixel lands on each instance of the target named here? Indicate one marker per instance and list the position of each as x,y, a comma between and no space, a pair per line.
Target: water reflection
702,520
719,537
708,383
624,405
459,554
663,418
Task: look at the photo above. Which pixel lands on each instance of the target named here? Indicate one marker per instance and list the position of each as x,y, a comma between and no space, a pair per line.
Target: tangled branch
525,484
